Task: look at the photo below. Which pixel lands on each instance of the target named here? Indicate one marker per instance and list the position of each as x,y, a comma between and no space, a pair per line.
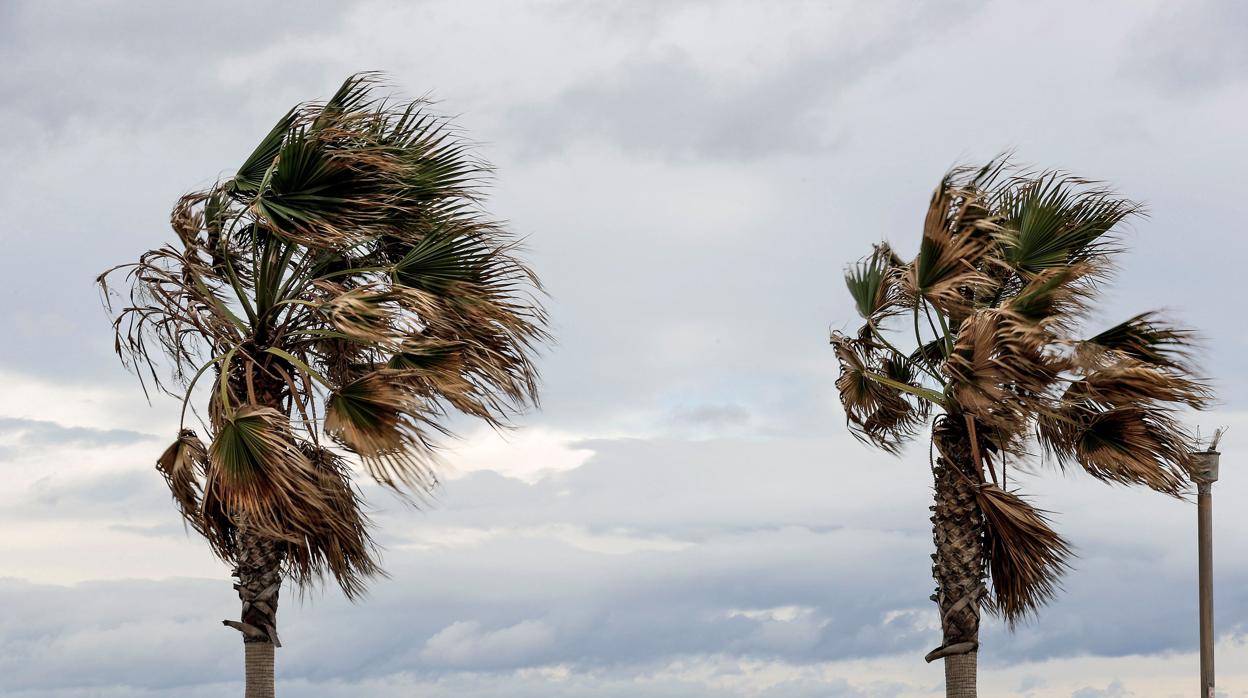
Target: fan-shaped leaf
378,417
1026,558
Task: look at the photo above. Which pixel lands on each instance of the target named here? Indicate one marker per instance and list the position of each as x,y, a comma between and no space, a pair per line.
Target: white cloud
466,642
527,453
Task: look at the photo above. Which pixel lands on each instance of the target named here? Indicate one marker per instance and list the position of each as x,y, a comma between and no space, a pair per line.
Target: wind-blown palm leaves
342,291
1008,265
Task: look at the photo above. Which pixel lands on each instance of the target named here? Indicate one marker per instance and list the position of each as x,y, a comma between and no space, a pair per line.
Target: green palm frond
252,446
1054,220
379,419
444,259
871,283
1057,296
1145,338
262,480
251,174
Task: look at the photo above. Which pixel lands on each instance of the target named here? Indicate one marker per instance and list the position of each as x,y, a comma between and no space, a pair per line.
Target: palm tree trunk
259,666
258,561
259,580
958,565
960,674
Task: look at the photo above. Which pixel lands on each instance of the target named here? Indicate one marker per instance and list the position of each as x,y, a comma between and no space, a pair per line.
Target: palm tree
346,295
1008,266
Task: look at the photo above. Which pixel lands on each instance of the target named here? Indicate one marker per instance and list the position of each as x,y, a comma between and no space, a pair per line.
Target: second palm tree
1009,264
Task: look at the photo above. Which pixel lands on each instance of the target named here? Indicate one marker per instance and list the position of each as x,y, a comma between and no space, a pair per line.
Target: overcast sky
686,516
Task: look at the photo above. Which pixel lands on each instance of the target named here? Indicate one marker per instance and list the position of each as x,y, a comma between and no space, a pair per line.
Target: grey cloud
792,551
1191,48
1115,689
467,643
123,63
131,493
661,103
714,416
109,631
109,112
36,433
548,683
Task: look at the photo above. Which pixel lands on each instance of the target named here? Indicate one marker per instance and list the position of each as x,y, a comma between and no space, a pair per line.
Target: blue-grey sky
686,516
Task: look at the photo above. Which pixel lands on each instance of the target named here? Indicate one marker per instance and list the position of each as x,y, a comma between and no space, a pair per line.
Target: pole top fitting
1205,466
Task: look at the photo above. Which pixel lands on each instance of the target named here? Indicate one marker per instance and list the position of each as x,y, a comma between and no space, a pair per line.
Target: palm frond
251,173
1053,220
876,411
367,314
1145,338
872,283
183,466
1129,383
1053,299
260,476
1127,445
949,268
1026,557
341,544
379,419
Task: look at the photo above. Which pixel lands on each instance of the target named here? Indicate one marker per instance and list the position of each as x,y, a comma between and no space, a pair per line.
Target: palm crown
341,288
1008,265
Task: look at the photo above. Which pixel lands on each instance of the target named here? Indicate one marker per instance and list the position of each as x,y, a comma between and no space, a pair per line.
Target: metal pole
1205,473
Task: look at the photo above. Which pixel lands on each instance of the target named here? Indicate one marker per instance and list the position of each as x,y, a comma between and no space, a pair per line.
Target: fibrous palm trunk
259,581
958,564
258,563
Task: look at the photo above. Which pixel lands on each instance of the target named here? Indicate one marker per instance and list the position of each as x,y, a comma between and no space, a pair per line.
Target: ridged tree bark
258,570
958,565
259,581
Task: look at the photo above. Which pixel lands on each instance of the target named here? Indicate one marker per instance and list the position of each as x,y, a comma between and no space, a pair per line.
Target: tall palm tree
1008,266
345,294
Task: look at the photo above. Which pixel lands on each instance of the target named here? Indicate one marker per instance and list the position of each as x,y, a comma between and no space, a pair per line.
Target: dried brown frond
950,269
1129,383
1026,557
883,415
981,381
1145,338
1129,445
341,545
366,314
183,466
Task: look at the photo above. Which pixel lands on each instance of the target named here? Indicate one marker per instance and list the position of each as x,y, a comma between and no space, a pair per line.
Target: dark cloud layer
711,551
